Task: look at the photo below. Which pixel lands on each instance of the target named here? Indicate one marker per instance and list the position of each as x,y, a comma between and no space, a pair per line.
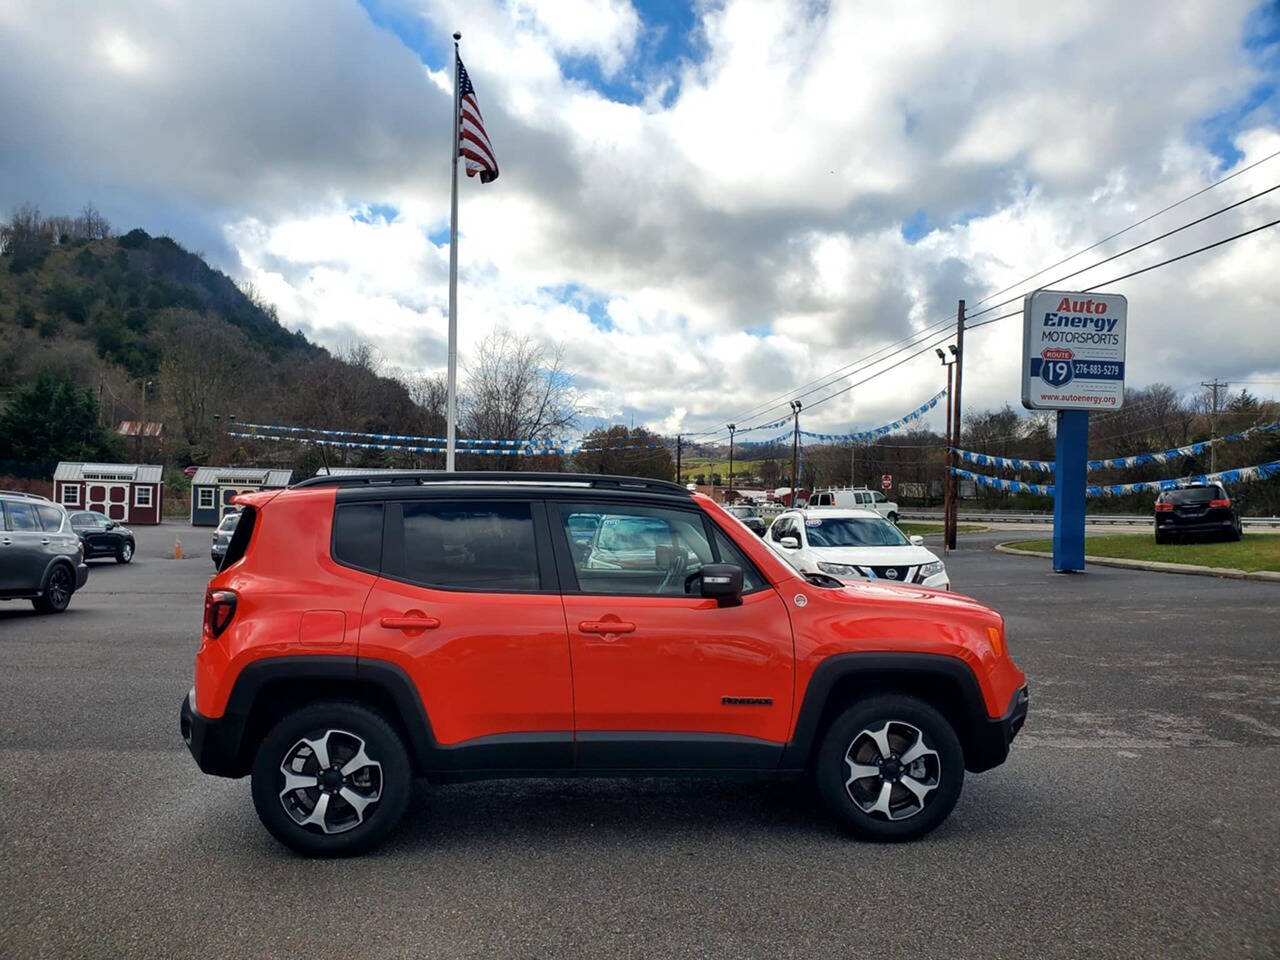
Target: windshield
743,512
854,532
1191,495
229,521
632,533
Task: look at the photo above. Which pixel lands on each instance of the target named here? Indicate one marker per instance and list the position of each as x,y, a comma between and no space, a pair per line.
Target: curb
1229,573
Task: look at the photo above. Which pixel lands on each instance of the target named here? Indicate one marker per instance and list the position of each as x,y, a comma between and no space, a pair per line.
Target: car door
23,553
468,606
664,678
94,528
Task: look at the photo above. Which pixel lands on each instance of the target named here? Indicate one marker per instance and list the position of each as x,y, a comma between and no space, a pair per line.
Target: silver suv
41,558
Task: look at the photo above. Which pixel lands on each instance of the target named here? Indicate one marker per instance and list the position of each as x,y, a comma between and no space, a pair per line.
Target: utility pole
679,444
795,451
728,493
1215,385
952,480
949,460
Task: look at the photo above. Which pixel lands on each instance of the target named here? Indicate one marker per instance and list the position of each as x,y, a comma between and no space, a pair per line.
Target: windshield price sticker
1073,350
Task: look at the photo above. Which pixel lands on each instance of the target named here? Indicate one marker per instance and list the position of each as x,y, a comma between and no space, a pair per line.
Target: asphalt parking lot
1137,816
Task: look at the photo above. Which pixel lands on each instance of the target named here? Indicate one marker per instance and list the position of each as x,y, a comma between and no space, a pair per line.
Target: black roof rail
597,481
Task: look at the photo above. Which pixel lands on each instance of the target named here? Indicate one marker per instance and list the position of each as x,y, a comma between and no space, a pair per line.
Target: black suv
103,537
1199,508
41,558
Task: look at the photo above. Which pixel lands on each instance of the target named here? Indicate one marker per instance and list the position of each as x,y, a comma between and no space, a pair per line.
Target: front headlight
932,569
840,569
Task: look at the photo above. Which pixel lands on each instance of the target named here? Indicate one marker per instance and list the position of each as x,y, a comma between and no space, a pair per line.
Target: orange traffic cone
177,548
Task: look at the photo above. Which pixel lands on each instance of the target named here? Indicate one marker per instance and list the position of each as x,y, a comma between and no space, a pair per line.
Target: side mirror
917,540
722,581
111,524
790,543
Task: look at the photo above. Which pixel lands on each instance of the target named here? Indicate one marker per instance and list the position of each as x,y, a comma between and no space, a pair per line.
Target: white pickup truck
867,499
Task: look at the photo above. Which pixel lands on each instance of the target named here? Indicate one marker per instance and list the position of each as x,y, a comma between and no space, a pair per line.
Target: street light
796,406
948,494
728,494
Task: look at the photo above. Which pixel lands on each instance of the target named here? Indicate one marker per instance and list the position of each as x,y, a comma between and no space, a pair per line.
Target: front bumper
989,741
213,741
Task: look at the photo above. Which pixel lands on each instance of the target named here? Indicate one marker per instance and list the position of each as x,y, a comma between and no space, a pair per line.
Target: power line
841,372
1132,226
1137,246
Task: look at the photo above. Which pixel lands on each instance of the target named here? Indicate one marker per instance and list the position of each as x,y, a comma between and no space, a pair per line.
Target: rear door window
50,518
464,545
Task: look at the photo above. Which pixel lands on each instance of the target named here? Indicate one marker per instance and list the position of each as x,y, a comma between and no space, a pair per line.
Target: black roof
489,478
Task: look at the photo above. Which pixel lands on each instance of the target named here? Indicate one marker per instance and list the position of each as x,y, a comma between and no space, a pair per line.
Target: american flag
473,142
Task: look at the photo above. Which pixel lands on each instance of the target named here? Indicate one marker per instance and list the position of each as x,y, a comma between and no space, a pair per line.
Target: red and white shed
128,492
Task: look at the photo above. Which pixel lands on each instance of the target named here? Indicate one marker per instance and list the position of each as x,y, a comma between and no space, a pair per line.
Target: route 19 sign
1073,350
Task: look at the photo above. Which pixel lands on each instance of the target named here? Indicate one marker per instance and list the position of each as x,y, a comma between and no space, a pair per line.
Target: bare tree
517,389
205,363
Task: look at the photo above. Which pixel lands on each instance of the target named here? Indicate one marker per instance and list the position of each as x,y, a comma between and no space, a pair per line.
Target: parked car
860,498
1197,508
749,516
222,537
854,545
102,537
442,626
41,558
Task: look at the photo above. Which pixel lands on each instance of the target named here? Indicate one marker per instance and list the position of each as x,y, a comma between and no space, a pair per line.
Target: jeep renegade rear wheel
331,779
890,768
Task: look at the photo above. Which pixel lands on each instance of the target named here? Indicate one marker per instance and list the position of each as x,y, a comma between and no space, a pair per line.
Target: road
1137,815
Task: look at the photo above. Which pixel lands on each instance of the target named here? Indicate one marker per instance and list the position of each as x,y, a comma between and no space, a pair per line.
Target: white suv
854,545
865,499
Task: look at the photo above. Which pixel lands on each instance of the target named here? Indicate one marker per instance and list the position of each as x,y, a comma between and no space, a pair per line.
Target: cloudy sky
709,205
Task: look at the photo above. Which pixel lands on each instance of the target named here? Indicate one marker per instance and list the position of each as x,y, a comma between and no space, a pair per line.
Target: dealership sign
1073,350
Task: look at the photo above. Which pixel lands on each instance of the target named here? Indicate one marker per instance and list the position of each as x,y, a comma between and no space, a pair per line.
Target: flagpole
452,395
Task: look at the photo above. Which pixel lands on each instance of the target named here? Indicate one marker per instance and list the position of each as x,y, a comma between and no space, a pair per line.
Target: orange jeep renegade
366,630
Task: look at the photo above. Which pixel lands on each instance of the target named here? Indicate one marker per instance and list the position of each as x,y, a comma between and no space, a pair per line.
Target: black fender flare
893,668
335,670
48,571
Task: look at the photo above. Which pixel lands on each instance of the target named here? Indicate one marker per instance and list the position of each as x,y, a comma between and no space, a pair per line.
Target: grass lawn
912,527
1257,551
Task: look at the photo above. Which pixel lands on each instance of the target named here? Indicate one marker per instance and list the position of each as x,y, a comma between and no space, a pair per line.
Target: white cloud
734,233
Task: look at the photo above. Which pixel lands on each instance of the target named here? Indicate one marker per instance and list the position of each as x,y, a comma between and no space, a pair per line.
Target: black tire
338,724
1161,537
124,552
57,590
1236,532
945,768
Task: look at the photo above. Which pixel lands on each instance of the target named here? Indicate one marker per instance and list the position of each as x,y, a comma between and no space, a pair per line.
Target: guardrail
1101,519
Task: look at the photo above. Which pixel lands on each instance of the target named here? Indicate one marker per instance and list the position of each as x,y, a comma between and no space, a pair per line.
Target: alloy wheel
331,784
892,772
58,592
126,552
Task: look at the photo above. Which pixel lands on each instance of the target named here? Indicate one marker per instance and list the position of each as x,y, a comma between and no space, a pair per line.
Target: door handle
6,541
606,626
44,541
409,623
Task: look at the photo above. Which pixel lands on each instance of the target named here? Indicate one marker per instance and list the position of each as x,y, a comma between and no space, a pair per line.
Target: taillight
1163,506
1220,503
219,609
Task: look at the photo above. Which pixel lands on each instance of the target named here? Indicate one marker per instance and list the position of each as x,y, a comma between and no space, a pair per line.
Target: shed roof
125,472
259,476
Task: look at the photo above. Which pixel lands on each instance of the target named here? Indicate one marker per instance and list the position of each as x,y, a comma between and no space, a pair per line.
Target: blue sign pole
1068,486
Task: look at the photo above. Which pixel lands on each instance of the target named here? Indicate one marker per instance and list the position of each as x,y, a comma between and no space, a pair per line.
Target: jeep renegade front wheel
331,779
890,768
